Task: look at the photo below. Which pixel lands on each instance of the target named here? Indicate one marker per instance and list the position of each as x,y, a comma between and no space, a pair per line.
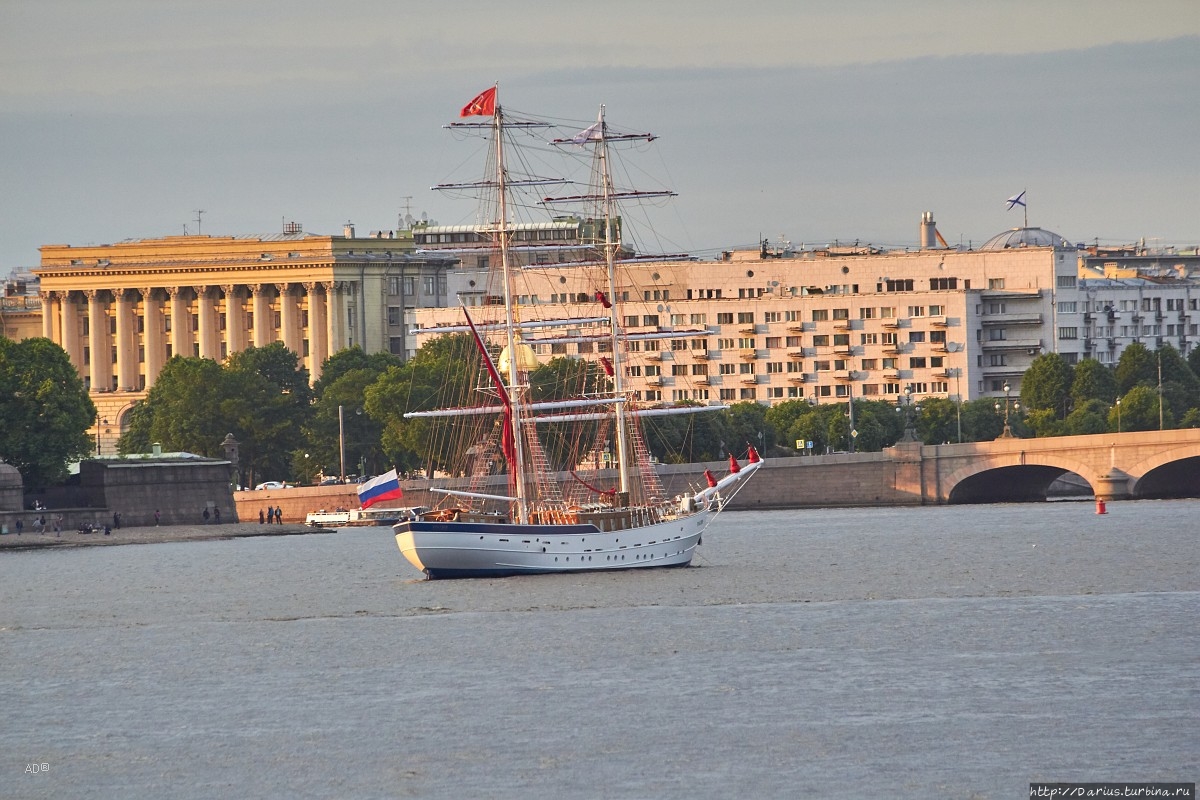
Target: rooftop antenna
199,211
407,216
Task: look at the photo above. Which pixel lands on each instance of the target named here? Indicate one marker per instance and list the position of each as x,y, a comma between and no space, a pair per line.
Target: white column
72,337
337,316
100,366
210,344
127,362
50,316
289,318
235,319
264,319
181,322
154,338
318,330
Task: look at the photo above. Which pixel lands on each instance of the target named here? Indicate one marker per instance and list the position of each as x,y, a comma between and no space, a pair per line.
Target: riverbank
150,535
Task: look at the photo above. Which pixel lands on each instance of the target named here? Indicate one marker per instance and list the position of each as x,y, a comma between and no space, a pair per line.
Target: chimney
928,231
348,230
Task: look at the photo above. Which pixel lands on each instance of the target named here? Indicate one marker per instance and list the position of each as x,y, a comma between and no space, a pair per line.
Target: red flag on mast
484,105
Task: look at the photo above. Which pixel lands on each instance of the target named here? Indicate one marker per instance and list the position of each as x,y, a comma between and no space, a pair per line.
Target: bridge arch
1018,477
1174,472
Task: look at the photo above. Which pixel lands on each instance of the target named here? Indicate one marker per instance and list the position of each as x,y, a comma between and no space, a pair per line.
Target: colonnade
120,338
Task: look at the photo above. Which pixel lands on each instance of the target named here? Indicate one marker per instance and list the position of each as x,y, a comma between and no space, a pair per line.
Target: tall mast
514,385
611,242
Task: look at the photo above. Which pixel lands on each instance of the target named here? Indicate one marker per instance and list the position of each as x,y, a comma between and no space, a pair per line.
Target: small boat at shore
361,517
551,518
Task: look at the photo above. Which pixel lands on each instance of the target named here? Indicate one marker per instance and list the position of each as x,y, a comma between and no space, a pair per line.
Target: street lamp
99,421
1118,415
1008,408
906,408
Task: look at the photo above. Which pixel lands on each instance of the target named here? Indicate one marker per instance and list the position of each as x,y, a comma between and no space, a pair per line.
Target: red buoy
1100,508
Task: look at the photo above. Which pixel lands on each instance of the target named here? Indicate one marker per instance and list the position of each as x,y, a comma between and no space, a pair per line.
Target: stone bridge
1151,464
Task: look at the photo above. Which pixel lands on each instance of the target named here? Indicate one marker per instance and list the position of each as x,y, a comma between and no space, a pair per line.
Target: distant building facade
121,310
853,322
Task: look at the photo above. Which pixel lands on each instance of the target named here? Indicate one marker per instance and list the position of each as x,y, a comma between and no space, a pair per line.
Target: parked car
270,485
330,482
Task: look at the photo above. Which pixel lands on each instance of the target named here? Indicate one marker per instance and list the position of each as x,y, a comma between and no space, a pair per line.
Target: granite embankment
149,535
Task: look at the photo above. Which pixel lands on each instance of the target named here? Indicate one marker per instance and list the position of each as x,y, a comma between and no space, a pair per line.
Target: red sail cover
484,105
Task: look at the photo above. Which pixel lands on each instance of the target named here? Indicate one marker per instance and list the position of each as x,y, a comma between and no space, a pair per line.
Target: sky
807,120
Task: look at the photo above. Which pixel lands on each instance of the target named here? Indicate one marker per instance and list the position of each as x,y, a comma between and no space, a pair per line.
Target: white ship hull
474,549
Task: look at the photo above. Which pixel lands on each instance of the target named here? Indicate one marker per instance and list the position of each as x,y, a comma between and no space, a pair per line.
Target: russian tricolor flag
383,487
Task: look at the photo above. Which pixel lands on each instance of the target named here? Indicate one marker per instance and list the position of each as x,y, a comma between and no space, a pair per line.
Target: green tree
443,373
1180,386
981,421
1089,416
1139,411
45,411
937,421
1093,381
353,358
1137,366
1046,385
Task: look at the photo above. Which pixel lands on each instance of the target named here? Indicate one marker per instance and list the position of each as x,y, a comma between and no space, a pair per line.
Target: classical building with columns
121,310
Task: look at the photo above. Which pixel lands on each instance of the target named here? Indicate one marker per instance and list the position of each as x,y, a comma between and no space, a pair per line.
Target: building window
729,394
916,362
841,313
1068,333
995,283
725,318
746,394
869,338
394,316
745,317
821,340
943,283
820,315
916,336
650,320
1066,282
773,342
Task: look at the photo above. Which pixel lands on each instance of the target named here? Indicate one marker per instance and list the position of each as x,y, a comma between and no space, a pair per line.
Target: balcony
796,327
654,355
700,355
749,380
1089,316
893,348
748,354
994,320
700,380
797,377
845,375
748,328
841,324
940,347
843,350
891,322
655,380
939,321
1031,346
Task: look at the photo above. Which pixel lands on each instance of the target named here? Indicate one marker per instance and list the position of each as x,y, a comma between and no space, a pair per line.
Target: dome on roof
1024,237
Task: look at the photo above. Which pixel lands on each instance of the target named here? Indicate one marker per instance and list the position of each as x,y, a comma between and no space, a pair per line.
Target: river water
949,652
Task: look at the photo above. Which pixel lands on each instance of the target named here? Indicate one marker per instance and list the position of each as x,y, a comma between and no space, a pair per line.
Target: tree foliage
261,397
45,411
1046,385
1092,381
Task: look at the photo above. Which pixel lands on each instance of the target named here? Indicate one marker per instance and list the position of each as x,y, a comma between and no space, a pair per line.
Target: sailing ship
553,514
